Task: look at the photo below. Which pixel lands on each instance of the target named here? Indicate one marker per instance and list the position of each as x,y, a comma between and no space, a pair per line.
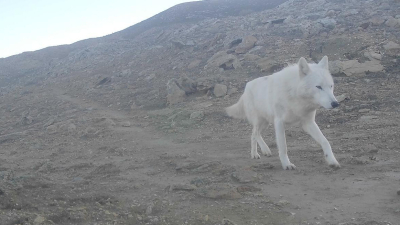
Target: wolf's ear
324,63
304,69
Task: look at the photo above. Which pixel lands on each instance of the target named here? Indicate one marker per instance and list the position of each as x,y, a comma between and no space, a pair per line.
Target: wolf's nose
335,104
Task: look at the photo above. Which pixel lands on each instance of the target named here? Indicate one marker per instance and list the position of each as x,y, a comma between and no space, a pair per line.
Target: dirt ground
87,136
80,162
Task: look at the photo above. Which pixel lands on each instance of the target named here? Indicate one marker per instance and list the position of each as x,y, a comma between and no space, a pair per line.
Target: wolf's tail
236,110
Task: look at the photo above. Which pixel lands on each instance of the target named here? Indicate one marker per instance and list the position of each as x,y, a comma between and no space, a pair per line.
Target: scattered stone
391,45
269,65
104,81
50,122
151,77
26,120
341,97
377,21
71,127
335,67
39,220
126,124
392,22
262,167
353,67
108,122
328,23
200,182
227,222
247,44
247,188
187,84
365,25
232,91
195,63
223,60
149,209
198,115
220,90
219,191
182,187
373,55
363,110
368,118
245,176
51,129
175,93
251,57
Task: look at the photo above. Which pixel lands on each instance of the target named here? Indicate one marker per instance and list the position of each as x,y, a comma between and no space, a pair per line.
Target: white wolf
289,96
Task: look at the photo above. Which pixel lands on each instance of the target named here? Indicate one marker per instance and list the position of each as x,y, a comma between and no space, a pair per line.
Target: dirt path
312,193
107,169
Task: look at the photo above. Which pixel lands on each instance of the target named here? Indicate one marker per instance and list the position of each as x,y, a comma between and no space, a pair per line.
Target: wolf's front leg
281,142
312,128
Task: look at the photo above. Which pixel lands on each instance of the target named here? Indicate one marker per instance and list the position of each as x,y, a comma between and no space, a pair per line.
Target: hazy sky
28,25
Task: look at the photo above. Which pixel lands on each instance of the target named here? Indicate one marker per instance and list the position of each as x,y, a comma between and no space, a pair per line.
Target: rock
341,97
223,60
26,120
149,209
232,91
71,127
104,81
251,57
398,192
12,136
108,122
39,220
175,93
353,67
245,176
219,191
335,67
363,110
373,55
269,65
247,188
50,122
182,187
198,115
195,63
151,77
227,222
391,45
51,129
392,22
327,23
220,90
377,21
247,44
126,124
187,85
365,25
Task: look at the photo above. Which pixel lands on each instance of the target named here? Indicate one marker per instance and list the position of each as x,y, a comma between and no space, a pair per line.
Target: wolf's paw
334,165
266,153
255,156
289,166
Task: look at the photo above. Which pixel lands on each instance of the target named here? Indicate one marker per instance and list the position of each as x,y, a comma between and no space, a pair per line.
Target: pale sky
29,25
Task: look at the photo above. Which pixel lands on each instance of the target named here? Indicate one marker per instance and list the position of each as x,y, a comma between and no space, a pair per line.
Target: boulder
220,90
175,93
247,44
223,60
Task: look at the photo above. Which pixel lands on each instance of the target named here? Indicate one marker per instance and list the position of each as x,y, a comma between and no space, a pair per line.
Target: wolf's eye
319,87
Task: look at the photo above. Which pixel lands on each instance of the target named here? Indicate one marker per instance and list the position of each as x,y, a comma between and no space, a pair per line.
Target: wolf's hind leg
254,154
263,146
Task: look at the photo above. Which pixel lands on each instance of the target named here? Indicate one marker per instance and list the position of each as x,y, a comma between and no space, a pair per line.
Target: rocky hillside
130,128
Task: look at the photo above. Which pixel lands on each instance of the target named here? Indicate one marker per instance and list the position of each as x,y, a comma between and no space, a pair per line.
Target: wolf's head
316,83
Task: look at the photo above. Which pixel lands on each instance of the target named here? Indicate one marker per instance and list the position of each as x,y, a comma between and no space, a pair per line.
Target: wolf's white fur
289,96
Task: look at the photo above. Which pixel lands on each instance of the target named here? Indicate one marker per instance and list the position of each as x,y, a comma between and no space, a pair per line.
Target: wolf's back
236,110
